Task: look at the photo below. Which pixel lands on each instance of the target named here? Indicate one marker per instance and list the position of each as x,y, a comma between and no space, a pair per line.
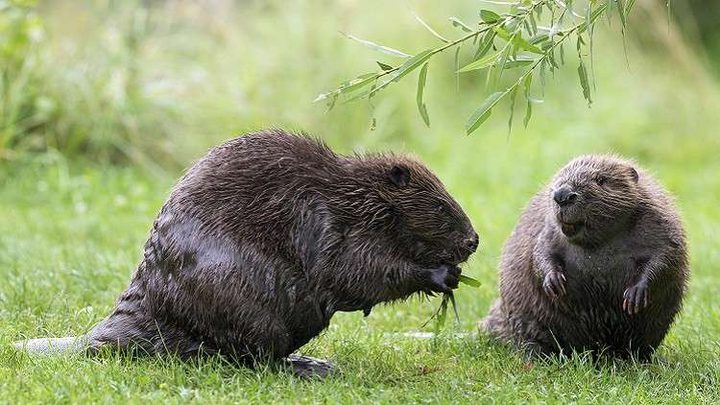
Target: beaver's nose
471,243
564,196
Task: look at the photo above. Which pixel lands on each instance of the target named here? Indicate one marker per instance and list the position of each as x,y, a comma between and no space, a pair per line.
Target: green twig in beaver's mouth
441,314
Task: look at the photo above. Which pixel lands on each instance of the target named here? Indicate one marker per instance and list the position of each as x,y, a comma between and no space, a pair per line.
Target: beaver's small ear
399,176
634,174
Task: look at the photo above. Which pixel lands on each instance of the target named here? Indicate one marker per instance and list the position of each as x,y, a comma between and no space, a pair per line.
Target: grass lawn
71,234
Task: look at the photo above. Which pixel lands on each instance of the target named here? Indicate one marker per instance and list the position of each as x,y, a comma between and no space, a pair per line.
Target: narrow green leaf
582,72
358,82
349,86
513,95
360,95
429,28
384,66
457,23
369,93
621,12
481,63
412,64
457,67
593,17
441,314
469,281
485,45
590,40
454,306
629,6
522,43
477,122
517,40
527,86
324,96
552,61
539,39
528,113
520,61
533,24
527,27
482,113
330,103
504,58
407,67
489,17
420,90
502,33
376,47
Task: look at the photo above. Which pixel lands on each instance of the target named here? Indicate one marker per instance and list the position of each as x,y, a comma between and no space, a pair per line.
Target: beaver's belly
590,314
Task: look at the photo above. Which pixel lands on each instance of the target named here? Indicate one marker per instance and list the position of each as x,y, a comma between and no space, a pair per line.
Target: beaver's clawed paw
635,298
554,284
443,279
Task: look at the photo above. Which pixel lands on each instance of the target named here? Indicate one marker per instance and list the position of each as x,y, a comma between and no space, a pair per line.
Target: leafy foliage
83,100
20,31
526,40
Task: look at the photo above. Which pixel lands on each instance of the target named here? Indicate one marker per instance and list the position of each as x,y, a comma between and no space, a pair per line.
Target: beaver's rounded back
271,233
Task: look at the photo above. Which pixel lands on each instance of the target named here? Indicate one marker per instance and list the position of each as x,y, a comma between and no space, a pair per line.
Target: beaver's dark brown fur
270,234
597,262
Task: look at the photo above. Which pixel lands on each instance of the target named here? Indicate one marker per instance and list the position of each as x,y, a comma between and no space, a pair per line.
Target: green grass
72,234
71,230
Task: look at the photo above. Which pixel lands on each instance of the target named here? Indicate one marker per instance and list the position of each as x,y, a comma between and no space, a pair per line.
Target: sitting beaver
270,234
597,262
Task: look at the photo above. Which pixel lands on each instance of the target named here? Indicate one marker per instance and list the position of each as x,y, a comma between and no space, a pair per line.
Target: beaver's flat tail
54,346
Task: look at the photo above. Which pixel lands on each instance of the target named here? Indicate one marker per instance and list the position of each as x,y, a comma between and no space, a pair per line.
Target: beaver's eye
601,180
440,209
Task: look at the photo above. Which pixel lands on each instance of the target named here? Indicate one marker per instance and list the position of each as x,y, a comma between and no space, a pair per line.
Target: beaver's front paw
635,298
554,284
442,279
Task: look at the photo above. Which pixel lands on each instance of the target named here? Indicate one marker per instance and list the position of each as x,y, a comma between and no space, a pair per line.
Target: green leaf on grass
454,305
441,314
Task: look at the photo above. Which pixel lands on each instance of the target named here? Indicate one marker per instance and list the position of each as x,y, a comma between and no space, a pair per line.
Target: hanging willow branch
526,41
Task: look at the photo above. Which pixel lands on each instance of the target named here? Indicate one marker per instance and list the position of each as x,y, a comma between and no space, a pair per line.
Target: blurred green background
103,103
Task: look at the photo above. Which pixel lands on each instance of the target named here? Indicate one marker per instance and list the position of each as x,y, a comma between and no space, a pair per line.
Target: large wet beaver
597,262
270,234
